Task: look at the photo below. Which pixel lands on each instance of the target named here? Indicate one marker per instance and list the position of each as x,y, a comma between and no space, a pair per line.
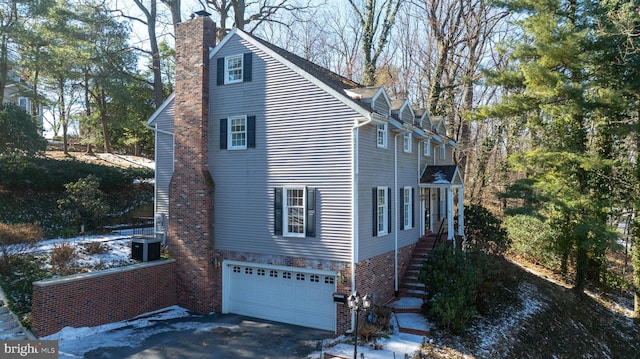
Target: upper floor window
294,211
382,135
234,69
443,152
238,132
427,147
407,142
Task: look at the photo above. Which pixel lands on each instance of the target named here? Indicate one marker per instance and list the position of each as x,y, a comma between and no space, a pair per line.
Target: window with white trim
382,135
237,133
233,66
407,207
294,209
382,206
407,142
25,104
427,147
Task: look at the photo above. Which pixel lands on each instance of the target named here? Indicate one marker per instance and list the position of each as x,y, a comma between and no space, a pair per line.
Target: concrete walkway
10,327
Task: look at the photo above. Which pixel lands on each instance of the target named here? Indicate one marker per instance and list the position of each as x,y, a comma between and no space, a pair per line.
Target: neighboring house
282,183
19,92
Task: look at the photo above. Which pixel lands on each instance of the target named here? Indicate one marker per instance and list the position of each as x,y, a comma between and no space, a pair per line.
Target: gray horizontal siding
376,168
303,138
164,159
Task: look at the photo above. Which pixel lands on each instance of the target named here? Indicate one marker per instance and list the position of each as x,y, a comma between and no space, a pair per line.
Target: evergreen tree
563,172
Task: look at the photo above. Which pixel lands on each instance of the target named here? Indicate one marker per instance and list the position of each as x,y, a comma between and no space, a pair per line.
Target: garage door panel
281,294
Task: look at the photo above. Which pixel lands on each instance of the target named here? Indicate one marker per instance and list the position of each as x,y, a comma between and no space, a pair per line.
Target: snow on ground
492,335
75,342
117,249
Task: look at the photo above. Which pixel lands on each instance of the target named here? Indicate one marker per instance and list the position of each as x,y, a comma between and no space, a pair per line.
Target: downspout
395,217
354,206
155,170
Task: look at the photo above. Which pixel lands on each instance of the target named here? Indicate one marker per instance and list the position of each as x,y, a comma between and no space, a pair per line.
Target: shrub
532,239
96,247
484,231
45,173
20,134
62,256
83,202
16,240
452,281
18,284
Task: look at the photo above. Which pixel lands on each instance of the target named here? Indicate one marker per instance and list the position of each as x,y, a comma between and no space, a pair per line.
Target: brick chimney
191,228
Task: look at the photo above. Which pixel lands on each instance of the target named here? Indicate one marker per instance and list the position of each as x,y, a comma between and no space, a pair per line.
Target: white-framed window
25,104
443,152
427,147
294,211
382,211
233,66
407,142
382,135
407,206
237,133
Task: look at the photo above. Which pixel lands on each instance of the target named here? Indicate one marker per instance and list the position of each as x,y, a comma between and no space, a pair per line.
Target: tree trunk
63,118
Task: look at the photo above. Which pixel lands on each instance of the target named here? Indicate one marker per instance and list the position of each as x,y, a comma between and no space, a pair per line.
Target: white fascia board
214,51
157,112
338,95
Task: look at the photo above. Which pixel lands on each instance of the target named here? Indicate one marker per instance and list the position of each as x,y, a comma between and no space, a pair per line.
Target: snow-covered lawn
116,250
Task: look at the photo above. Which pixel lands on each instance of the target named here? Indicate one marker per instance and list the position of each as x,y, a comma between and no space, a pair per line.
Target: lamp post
356,303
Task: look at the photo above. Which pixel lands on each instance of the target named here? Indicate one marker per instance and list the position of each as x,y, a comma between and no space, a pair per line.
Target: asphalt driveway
235,337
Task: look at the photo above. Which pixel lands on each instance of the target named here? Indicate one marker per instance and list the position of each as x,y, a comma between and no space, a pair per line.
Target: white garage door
282,294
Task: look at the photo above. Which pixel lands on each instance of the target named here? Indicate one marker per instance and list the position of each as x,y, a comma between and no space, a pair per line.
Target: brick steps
407,307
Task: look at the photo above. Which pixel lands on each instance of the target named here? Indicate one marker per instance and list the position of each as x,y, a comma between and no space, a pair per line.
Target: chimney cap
200,13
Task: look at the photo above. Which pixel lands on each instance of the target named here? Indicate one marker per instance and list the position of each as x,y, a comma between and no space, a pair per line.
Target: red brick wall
376,277
102,297
191,190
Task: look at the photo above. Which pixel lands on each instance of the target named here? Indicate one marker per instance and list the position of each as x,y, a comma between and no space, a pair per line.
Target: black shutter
375,211
251,131
401,209
413,206
310,221
223,133
277,211
389,210
220,71
247,66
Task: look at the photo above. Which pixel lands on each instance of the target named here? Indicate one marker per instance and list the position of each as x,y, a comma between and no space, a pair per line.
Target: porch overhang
442,176
447,178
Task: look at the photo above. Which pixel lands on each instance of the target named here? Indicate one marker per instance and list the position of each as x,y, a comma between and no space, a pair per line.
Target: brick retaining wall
107,296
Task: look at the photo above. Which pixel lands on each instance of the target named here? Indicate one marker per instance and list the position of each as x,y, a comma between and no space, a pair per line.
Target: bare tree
376,23
175,8
249,15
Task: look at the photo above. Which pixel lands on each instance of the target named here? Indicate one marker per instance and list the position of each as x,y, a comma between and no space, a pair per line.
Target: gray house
280,183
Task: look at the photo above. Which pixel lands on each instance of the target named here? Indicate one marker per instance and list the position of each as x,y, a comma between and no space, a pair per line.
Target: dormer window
234,69
382,135
407,142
